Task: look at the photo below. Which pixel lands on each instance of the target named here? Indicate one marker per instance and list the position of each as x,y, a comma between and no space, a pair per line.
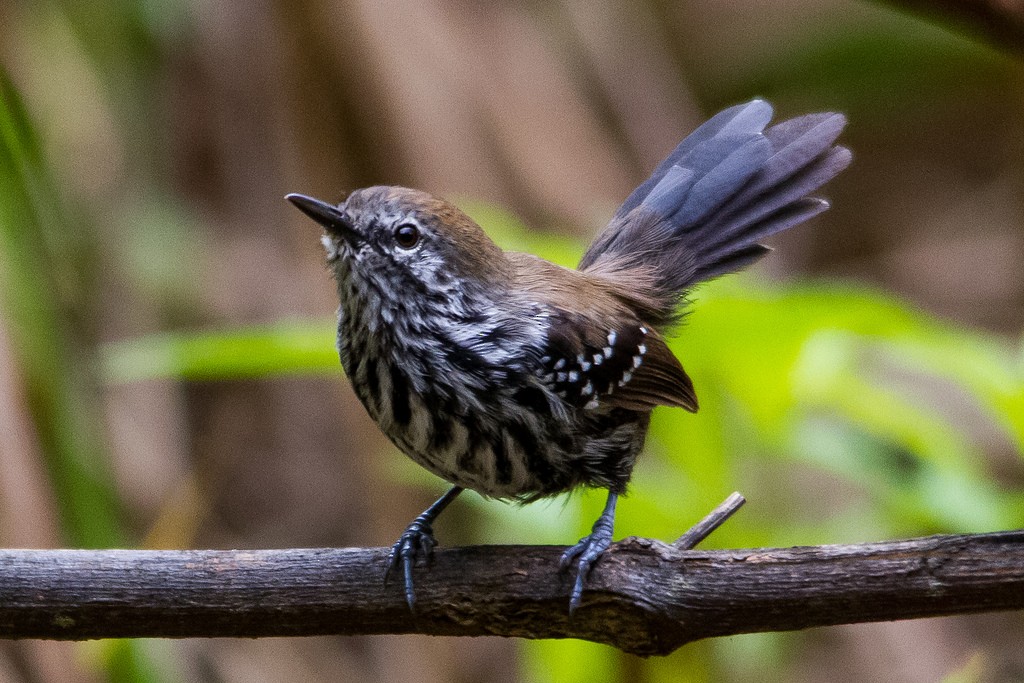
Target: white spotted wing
626,366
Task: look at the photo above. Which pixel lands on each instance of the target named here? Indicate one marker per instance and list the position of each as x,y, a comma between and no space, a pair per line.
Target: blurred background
167,372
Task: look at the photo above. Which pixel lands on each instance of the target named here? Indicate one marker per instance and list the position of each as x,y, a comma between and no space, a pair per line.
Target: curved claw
572,553
417,541
589,550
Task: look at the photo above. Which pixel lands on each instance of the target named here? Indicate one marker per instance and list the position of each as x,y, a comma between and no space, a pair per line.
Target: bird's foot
417,541
585,554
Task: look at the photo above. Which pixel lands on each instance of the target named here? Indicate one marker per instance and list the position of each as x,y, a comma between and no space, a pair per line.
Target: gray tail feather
728,185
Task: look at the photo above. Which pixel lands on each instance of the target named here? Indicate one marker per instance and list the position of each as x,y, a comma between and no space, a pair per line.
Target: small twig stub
714,519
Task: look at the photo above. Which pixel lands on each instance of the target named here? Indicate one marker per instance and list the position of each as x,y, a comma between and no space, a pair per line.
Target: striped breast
497,448
442,405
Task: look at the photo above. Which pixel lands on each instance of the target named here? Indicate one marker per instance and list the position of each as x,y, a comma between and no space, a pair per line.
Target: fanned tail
726,187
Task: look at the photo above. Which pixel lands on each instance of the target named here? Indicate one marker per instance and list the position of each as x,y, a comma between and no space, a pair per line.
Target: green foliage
891,66
39,284
286,347
806,362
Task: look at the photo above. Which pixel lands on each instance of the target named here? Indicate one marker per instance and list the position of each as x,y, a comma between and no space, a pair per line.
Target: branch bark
644,596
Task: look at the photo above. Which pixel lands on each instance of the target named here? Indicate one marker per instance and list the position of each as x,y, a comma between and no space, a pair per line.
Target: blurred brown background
174,130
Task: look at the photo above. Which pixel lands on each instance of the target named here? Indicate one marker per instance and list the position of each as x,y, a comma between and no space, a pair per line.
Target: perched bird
520,379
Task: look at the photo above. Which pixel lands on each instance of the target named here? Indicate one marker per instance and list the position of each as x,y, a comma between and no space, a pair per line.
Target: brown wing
596,363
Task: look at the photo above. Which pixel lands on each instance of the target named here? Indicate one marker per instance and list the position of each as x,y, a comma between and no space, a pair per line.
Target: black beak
333,220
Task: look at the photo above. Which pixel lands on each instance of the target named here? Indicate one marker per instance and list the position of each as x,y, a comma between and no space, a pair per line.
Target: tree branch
714,519
644,596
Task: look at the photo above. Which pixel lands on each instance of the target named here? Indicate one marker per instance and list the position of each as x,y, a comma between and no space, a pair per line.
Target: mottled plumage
519,379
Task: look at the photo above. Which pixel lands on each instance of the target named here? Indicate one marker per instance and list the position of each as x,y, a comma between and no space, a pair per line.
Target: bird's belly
494,453
481,441
496,438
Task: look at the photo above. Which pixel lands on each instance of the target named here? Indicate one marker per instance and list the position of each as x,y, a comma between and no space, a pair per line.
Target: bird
520,379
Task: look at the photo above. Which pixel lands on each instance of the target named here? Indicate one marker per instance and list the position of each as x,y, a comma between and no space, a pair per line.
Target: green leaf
282,348
35,291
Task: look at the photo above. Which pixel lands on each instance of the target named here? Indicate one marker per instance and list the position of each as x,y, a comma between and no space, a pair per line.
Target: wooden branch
644,596
714,519
997,21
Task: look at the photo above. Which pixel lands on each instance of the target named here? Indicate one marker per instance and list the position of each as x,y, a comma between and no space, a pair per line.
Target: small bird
520,379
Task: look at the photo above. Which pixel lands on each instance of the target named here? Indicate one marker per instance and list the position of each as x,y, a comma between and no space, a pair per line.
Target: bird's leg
417,539
589,549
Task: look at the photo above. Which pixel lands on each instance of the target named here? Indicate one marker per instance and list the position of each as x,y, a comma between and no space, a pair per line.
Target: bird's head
405,243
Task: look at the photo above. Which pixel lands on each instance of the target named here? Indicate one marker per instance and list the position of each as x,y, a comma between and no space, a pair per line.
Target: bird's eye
407,235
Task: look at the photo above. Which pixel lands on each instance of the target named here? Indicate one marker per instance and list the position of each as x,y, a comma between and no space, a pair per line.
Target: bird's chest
396,357
457,355
449,399
405,370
